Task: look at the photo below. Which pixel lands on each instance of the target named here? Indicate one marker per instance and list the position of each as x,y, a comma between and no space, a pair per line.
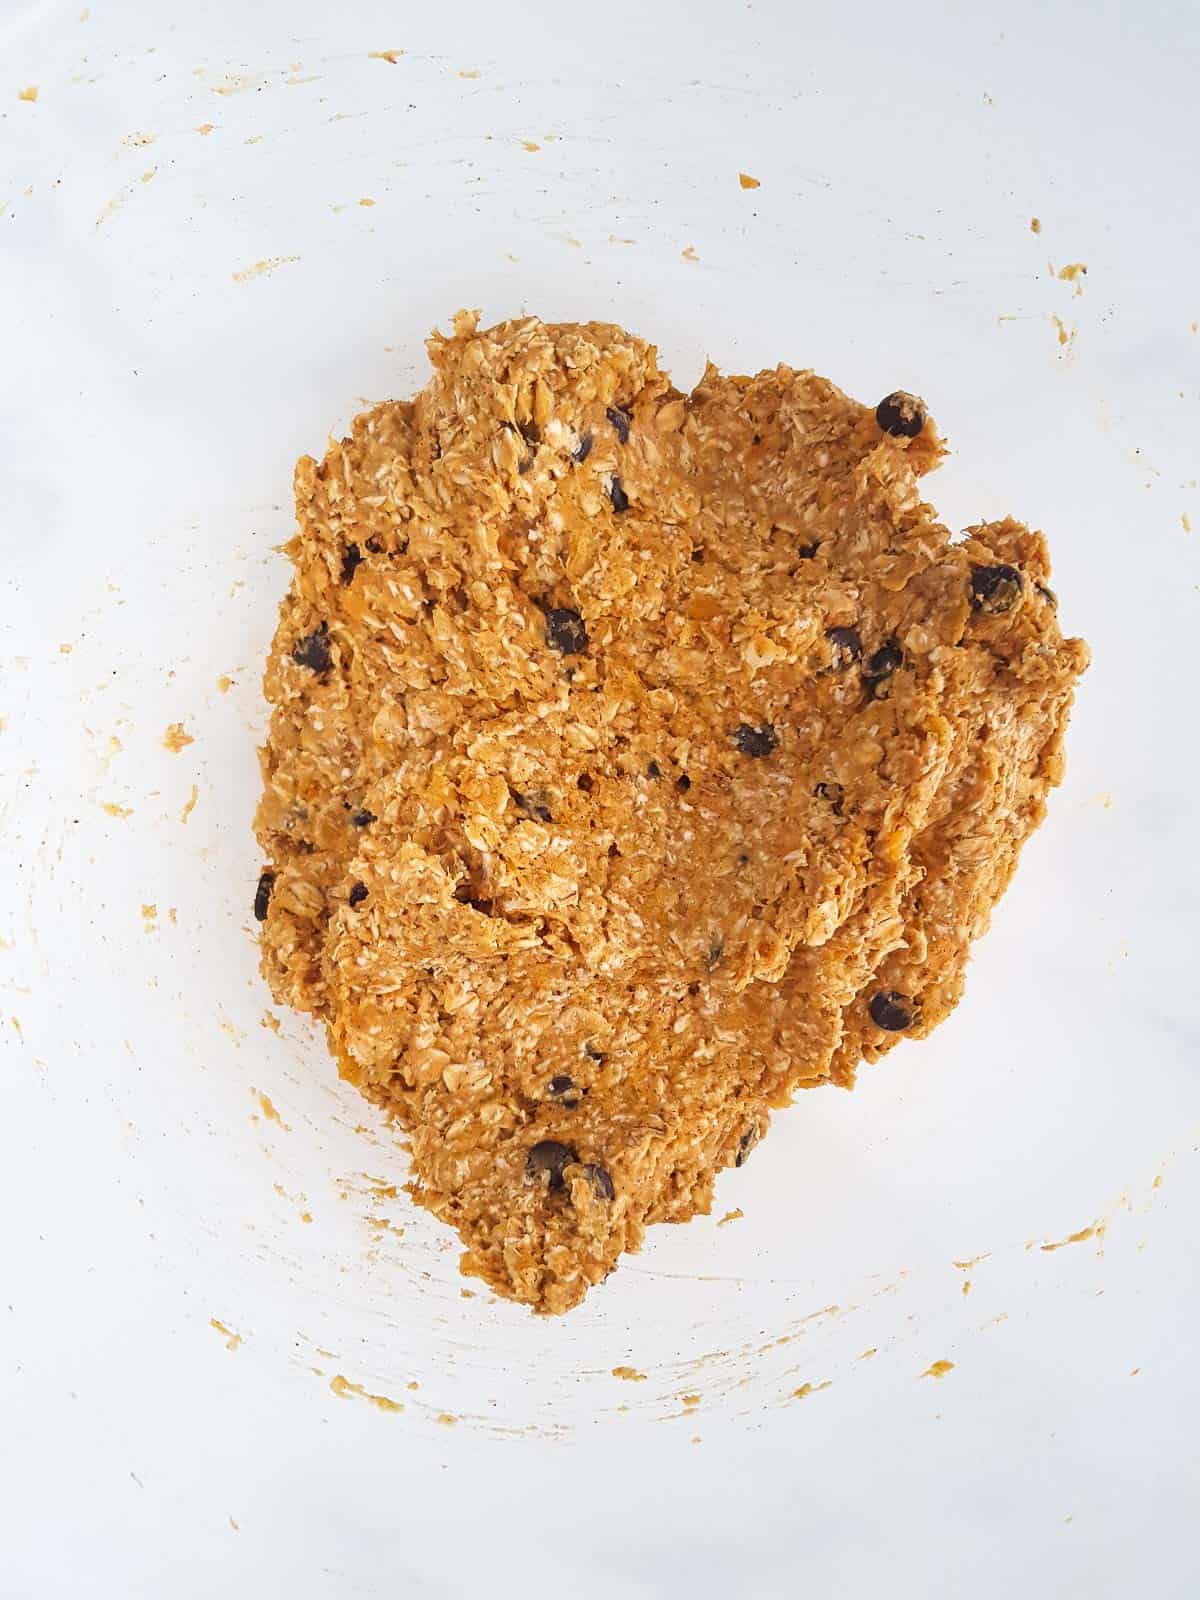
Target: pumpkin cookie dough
636,758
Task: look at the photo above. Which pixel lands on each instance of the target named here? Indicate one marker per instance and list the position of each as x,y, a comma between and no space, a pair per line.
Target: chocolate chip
602,1184
551,1158
313,650
485,908
593,1054
465,894
846,646
683,783
653,770
620,421
358,893
746,1143
900,414
995,589
586,782
881,663
1048,595
562,1084
833,793
698,553
524,466
530,432
616,493
533,804
565,631
351,562
756,741
262,895
807,551
584,448
362,819
891,1010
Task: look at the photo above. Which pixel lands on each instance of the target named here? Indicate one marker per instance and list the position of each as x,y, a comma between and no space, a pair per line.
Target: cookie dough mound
635,759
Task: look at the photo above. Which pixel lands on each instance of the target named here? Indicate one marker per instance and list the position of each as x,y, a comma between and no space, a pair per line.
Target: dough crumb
232,1340
344,1389
1094,1230
938,1369
262,267
806,1389
267,1106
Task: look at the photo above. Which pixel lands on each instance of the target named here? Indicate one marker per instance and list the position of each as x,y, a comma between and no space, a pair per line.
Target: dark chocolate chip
533,804
1048,595
756,741
900,414
586,782
562,1084
891,1010
807,551
313,650
653,770
584,448
552,1159
698,553
881,663
746,1143
565,631
530,432
833,793
358,893
374,546
524,466
602,1184
620,421
995,589
362,819
743,859
616,493
593,1054
683,783
351,562
846,646
262,895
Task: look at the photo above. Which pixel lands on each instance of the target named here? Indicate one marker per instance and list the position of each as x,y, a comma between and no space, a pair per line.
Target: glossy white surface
152,403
